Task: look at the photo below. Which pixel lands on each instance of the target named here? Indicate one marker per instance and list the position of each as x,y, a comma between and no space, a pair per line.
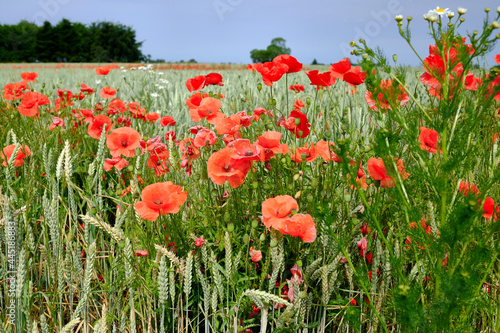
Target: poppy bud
246,238
395,57
300,133
204,174
259,86
255,224
290,186
347,197
273,243
314,183
255,184
296,177
310,198
262,237
255,203
227,217
230,227
210,94
269,126
297,121
328,134
297,195
184,182
308,101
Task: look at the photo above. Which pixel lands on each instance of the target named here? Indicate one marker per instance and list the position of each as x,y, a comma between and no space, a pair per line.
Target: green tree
277,47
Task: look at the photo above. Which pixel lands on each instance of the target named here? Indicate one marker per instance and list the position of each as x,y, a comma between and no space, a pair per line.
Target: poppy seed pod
230,227
259,86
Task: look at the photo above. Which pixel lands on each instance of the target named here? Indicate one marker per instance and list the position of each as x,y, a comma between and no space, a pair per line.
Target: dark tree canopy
69,42
277,47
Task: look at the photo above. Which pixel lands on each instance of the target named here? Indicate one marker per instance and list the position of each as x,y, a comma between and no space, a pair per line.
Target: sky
225,31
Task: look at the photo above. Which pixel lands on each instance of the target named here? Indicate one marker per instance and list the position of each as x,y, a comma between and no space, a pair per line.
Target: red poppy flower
116,106
123,141
270,142
222,166
199,241
324,79
378,171
428,140
167,121
13,91
255,255
107,92
196,84
56,121
259,111
276,210
385,95
340,68
271,71
327,154
26,76
213,79
141,253
87,89
95,127
490,210
160,199
244,150
104,70
296,87
30,103
7,152
293,65
465,188
308,152
300,225
205,136
298,124
159,160
229,125
152,117
118,162
354,77
194,101
209,108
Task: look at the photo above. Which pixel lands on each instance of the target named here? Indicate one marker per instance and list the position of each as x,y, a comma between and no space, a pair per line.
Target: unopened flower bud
495,25
259,86
230,227
395,57
409,18
461,11
361,40
487,10
399,18
475,32
352,44
308,101
451,15
462,19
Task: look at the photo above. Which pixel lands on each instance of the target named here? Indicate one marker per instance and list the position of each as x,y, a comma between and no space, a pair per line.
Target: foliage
68,42
277,47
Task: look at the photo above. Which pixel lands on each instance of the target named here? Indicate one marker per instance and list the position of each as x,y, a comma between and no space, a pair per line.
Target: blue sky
227,30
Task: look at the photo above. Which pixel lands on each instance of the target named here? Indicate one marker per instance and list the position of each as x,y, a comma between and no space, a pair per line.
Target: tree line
69,42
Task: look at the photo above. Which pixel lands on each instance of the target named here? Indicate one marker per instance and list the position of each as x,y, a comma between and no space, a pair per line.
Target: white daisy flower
441,11
161,87
97,81
124,70
154,95
160,73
